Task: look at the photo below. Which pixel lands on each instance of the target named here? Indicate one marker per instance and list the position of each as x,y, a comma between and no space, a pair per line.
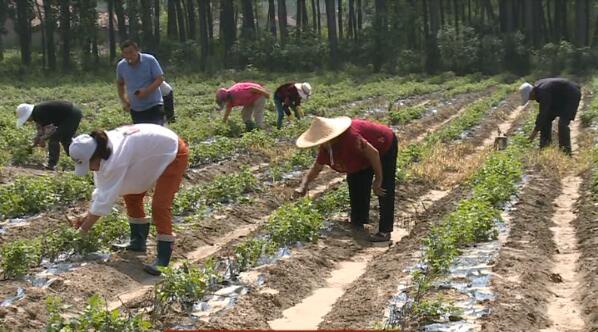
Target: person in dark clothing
557,97
57,122
168,96
367,153
289,96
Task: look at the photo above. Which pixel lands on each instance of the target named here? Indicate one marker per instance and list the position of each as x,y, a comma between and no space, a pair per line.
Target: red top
243,94
288,94
348,155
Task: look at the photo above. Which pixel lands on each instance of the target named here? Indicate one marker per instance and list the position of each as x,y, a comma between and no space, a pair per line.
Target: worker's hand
142,93
300,192
377,187
83,224
126,106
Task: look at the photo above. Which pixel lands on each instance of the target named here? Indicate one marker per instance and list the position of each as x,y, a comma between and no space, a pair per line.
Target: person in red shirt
363,150
289,96
251,96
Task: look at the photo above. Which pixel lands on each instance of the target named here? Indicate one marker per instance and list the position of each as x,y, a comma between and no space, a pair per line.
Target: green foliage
333,201
27,195
295,222
94,318
495,181
459,50
18,256
183,285
248,252
405,115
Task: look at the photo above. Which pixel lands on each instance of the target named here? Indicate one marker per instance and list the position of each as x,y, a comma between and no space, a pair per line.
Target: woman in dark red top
289,96
364,150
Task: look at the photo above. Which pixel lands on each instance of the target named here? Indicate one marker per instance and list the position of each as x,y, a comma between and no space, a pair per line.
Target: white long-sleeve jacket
140,154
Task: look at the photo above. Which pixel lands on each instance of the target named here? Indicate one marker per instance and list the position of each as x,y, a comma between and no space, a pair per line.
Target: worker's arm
229,108
120,84
373,156
144,92
311,175
543,115
261,91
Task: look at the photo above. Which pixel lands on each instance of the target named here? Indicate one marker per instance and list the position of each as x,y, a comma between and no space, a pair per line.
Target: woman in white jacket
127,161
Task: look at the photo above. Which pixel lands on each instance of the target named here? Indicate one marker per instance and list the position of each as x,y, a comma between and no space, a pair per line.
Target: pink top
348,152
242,94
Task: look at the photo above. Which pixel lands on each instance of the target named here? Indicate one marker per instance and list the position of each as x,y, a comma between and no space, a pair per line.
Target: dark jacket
557,97
55,112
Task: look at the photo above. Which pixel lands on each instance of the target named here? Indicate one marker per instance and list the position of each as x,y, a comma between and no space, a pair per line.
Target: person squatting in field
127,161
168,96
56,121
251,96
289,96
557,97
142,75
363,150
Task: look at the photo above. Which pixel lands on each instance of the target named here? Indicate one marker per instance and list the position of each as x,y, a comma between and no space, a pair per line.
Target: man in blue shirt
142,75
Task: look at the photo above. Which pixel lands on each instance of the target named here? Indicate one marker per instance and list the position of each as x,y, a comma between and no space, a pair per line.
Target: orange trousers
167,186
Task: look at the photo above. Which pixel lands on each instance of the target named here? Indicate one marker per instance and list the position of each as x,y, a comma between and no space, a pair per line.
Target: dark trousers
564,135
63,135
360,189
169,107
154,114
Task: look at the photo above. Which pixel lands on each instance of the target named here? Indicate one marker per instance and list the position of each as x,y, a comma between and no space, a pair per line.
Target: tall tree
210,21
248,29
43,30
146,23
203,33
282,21
111,34
133,16
582,22
380,27
352,24
304,17
65,29
299,17
319,13
332,36
272,18
227,21
24,11
432,52
190,6
340,19
172,30
157,22
3,17
120,17
359,15
180,14
314,16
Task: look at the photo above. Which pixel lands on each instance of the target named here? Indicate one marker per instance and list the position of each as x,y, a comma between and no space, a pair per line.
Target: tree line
406,35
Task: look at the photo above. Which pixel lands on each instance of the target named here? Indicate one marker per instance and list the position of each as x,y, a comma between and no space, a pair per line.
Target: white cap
23,113
304,89
525,90
81,150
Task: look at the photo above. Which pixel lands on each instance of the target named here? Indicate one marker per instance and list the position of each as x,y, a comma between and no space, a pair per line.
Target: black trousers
169,107
63,135
360,189
154,114
564,135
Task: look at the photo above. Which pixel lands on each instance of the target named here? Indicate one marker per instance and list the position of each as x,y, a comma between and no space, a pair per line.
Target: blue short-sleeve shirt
140,76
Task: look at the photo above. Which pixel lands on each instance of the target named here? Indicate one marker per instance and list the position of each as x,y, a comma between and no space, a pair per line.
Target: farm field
484,240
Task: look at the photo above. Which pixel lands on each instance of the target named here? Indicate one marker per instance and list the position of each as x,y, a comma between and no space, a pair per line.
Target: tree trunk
23,27
351,32
272,18
359,15
210,21
191,19
256,17
314,13
529,21
172,31
298,18
432,52
121,20
380,24
3,16
441,6
111,35
133,15
43,33
332,37
340,19
305,18
319,13
227,21
65,29
282,21
203,34
180,19
456,14
146,23
248,30
582,18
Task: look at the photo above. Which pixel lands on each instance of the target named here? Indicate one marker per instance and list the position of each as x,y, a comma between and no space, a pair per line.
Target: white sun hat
304,89
525,90
23,113
81,150
323,130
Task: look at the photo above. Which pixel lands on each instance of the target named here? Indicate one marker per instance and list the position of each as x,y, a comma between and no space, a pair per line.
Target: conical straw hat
323,130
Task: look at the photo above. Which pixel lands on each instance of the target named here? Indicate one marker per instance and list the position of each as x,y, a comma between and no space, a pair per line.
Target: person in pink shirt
251,96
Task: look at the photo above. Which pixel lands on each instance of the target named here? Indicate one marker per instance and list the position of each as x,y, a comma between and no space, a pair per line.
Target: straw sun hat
323,130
